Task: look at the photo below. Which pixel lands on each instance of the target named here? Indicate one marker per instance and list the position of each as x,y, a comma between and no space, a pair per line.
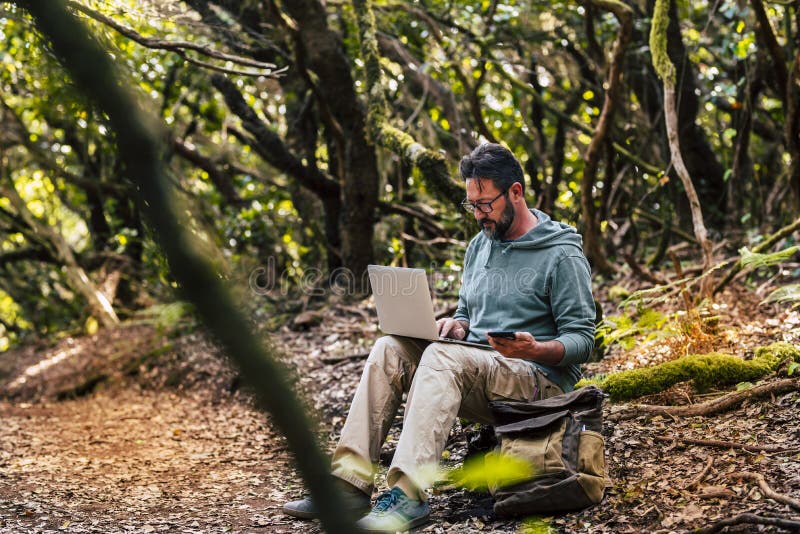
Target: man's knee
386,346
446,357
394,352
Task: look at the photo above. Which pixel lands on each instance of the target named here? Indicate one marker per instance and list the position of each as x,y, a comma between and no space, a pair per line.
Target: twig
727,444
716,493
335,360
687,301
768,491
174,46
743,519
703,474
642,272
714,406
434,241
764,245
408,211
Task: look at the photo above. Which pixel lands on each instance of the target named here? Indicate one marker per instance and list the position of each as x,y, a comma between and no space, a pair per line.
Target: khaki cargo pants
443,381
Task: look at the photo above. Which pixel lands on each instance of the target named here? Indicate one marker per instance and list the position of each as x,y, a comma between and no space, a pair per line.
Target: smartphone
506,334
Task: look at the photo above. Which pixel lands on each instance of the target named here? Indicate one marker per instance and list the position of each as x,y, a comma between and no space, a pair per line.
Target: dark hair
494,162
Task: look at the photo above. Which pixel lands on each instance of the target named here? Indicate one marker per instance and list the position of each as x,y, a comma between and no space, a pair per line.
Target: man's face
496,223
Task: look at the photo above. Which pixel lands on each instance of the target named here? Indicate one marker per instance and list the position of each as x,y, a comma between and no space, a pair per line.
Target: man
523,273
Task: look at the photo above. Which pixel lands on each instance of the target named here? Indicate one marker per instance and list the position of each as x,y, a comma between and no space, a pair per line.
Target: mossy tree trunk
666,71
431,163
325,55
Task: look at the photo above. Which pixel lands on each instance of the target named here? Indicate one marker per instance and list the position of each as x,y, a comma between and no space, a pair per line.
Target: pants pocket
511,383
545,388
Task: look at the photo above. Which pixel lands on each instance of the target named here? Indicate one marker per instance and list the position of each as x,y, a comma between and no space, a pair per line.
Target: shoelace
385,501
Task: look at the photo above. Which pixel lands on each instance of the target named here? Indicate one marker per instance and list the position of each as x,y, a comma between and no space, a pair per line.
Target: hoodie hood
547,233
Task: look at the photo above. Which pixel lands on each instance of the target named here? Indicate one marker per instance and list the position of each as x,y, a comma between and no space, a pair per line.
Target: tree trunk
591,225
701,160
324,52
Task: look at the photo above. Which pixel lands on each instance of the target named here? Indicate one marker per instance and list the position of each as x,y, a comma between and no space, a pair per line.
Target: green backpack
560,437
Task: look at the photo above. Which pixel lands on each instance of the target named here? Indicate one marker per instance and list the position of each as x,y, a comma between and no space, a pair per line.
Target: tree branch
751,519
624,15
27,253
666,71
720,404
179,47
726,444
269,145
400,209
764,28
221,181
430,163
761,247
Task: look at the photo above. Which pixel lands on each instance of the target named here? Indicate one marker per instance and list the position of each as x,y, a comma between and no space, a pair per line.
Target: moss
618,293
705,370
658,43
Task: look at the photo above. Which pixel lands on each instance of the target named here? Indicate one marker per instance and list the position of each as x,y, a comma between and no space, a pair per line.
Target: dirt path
138,461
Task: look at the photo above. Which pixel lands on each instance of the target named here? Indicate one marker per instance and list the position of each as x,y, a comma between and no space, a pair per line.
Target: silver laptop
404,304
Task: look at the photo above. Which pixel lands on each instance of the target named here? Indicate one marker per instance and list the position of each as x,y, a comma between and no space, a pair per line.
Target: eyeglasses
483,207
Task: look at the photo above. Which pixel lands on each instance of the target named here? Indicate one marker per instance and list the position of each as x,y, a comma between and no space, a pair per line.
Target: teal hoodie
539,283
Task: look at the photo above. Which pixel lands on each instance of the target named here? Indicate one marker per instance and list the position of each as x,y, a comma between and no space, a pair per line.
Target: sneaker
395,512
355,500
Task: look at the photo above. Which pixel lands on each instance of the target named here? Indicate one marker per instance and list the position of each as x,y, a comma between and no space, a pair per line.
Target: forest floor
146,429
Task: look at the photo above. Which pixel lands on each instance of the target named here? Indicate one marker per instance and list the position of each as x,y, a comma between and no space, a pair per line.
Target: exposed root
751,519
727,444
714,406
766,489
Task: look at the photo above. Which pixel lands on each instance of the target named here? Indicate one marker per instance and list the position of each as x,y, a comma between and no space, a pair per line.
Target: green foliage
537,525
705,370
755,260
627,330
493,470
788,293
166,317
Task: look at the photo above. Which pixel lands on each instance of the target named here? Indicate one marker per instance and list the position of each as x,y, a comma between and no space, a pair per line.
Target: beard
496,230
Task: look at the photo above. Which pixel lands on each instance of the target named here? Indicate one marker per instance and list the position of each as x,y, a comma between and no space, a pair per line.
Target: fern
790,293
755,260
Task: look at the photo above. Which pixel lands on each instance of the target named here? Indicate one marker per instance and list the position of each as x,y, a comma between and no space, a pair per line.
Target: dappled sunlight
40,367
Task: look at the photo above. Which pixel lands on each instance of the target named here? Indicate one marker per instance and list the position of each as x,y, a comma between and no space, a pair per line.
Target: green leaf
494,470
790,293
755,259
741,386
793,366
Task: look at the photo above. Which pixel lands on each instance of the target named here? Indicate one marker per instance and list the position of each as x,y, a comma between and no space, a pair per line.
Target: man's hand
450,328
525,346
